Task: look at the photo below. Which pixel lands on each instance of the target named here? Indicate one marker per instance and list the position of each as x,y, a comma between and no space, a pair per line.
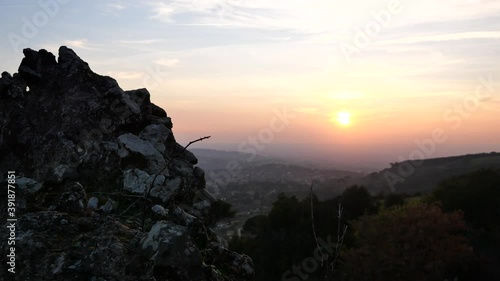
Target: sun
344,118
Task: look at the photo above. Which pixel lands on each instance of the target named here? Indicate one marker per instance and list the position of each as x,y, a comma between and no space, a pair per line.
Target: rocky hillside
102,189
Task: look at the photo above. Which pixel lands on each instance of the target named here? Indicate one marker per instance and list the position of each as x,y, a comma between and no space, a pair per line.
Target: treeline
452,233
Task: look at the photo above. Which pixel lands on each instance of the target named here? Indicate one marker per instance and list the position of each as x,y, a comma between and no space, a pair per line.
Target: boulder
134,149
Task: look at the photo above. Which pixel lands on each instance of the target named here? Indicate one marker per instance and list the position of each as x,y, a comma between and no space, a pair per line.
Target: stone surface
141,151
158,135
93,203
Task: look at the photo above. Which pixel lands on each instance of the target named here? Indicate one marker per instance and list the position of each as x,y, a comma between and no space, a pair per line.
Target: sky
359,80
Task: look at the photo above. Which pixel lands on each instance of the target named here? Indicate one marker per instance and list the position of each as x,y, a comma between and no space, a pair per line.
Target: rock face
85,154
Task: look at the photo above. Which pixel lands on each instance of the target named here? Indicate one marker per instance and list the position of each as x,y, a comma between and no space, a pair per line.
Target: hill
412,177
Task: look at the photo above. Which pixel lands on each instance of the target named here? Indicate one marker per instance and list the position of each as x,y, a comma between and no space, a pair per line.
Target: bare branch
312,221
340,237
148,190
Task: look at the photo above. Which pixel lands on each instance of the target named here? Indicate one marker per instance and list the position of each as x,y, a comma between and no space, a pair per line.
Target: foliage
357,201
220,209
394,199
413,242
477,194
283,238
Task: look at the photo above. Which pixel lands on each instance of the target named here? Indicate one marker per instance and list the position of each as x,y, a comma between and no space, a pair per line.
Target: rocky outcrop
85,153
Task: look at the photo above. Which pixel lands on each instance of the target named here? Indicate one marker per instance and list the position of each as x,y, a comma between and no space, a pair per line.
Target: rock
187,155
70,132
141,97
34,63
205,195
201,209
140,151
135,181
164,193
109,206
93,203
159,210
72,199
181,167
28,186
27,190
199,175
63,172
169,245
158,112
165,121
185,218
158,135
12,87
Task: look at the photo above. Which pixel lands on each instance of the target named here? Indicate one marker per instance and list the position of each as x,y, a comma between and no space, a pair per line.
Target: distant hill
213,160
411,177
265,168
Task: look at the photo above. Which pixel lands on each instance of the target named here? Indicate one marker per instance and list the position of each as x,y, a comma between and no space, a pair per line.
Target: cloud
84,44
444,37
315,16
125,75
167,62
139,42
117,6
79,43
163,12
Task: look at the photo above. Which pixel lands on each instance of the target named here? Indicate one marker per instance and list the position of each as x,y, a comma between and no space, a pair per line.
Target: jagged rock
183,217
12,87
182,167
30,66
165,121
140,151
171,246
69,132
28,186
27,189
187,155
159,210
141,97
57,246
158,135
205,195
165,192
136,181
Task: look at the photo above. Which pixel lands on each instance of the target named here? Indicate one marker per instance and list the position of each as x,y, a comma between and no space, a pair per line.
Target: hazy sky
395,70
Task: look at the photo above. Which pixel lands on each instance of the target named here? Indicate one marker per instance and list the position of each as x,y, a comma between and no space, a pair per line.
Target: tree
477,194
414,242
220,209
357,201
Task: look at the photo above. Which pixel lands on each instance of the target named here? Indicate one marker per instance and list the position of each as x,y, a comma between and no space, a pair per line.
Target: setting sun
344,118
